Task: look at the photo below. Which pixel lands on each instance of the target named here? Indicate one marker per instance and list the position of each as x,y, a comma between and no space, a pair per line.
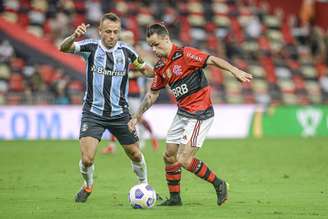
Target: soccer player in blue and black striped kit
105,103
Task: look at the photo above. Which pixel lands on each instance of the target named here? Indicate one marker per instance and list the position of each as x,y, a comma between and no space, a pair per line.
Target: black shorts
94,126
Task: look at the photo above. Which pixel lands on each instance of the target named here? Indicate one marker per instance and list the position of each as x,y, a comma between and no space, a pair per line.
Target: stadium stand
288,55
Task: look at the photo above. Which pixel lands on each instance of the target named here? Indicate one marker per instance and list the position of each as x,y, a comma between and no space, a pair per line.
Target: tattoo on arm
66,45
148,101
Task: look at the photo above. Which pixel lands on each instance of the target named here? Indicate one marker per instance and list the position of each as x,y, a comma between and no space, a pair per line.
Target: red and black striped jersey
183,72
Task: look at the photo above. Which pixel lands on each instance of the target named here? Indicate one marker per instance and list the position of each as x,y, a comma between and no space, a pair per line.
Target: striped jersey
183,72
107,76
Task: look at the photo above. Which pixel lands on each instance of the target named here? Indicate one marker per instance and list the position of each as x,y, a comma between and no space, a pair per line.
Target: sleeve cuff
77,47
205,62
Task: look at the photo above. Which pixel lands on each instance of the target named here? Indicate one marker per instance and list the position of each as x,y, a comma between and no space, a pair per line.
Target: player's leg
138,161
172,167
88,147
129,141
90,135
172,175
187,157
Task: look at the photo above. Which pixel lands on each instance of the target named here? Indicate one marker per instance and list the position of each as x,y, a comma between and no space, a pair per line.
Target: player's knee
169,158
135,156
87,160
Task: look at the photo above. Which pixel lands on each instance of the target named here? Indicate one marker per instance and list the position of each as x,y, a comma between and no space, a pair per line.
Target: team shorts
183,130
94,126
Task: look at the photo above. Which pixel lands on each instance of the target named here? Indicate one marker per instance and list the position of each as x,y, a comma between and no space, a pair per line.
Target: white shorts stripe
195,134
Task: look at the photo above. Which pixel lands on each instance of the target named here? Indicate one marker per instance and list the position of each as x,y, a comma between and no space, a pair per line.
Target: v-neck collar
108,50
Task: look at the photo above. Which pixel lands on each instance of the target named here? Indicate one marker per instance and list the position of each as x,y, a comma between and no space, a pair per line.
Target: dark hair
158,28
110,16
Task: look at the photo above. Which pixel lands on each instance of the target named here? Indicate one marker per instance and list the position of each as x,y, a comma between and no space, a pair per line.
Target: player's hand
132,124
81,30
242,76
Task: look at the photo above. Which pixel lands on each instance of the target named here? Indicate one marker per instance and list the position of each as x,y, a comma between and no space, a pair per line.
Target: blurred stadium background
283,44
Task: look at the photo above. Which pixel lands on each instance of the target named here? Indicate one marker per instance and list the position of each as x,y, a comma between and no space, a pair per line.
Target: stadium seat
281,62
16,83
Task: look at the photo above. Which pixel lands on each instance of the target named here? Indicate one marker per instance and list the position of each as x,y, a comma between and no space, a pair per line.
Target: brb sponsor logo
180,90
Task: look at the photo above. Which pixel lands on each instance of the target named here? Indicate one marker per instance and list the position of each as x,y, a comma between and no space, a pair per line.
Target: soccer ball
142,196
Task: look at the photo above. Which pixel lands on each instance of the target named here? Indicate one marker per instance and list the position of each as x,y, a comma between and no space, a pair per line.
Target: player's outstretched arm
148,101
67,45
224,65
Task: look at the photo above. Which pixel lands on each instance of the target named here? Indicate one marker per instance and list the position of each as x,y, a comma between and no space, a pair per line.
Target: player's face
159,44
109,32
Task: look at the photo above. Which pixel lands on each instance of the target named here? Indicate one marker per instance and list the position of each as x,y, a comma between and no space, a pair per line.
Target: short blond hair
110,16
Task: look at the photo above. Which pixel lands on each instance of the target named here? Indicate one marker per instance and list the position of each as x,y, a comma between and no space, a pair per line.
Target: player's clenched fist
81,30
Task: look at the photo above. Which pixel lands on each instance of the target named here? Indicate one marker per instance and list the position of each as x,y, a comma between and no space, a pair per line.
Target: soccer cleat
222,192
173,201
83,194
158,197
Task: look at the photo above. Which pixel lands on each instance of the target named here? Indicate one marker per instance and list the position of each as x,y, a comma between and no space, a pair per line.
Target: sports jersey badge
177,54
177,70
84,127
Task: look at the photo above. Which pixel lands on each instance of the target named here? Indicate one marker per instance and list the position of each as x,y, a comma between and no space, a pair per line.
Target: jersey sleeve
157,83
195,57
134,57
84,46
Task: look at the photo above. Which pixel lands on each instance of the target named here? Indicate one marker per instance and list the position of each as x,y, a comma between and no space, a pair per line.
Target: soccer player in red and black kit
181,69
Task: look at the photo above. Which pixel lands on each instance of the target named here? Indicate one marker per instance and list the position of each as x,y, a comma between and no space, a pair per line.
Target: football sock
140,168
200,169
87,174
173,177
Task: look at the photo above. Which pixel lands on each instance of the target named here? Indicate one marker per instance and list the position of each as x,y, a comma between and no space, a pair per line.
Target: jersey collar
173,50
108,50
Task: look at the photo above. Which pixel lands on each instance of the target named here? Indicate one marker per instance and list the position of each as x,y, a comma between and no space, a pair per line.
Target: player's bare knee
87,160
169,158
135,156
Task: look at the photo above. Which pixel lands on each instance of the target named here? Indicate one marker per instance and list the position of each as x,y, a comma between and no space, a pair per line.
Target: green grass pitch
269,178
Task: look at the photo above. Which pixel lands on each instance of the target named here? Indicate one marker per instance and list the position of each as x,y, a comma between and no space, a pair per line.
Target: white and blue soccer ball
142,196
